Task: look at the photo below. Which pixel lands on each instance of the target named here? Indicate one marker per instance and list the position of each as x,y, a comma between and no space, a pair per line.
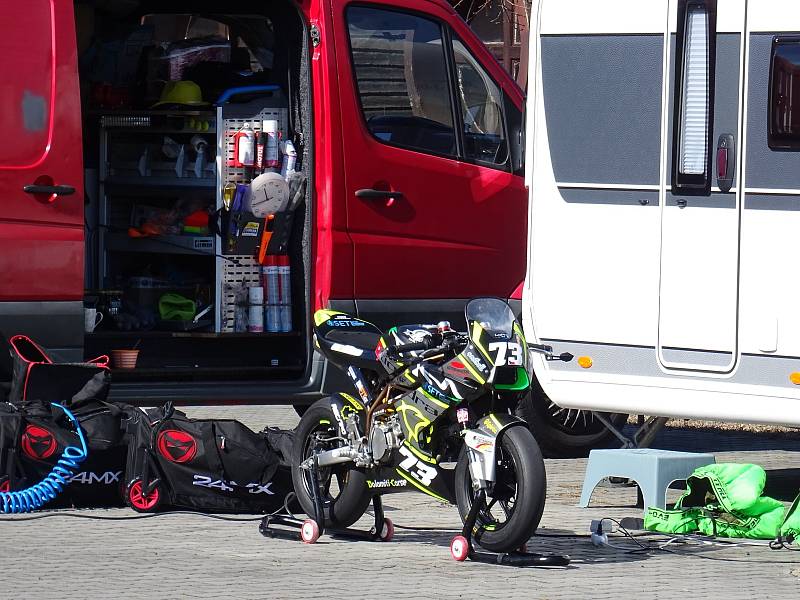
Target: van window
783,123
480,100
401,76
25,88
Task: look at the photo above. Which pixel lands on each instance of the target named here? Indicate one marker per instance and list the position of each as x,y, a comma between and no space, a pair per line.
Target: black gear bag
212,465
33,436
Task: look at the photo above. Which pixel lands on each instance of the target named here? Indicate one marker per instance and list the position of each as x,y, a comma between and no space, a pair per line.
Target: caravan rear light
585,361
795,378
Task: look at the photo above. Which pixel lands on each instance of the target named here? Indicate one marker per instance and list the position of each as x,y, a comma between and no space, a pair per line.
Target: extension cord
599,533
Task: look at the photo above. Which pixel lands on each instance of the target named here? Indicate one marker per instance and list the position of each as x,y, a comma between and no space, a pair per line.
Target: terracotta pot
124,359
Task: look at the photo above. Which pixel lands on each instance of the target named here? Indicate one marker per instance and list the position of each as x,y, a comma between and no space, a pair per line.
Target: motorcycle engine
384,437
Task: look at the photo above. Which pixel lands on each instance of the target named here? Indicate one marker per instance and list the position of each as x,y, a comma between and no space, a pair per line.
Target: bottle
244,147
289,159
273,293
271,161
285,280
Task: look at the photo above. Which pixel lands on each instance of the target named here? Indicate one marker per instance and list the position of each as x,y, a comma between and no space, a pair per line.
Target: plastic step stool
653,470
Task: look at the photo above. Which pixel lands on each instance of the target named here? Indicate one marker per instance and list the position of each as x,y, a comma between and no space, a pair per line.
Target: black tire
353,498
564,433
300,409
520,490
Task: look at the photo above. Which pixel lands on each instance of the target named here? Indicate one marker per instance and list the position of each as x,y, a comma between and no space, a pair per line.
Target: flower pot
124,359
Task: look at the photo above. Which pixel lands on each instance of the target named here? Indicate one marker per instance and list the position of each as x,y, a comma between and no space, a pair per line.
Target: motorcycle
426,397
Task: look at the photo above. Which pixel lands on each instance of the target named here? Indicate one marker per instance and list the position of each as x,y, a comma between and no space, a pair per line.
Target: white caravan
663,163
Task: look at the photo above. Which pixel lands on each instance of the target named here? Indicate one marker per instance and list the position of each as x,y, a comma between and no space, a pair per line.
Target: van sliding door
700,199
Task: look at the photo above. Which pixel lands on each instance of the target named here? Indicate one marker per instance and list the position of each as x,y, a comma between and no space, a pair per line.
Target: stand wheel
387,531
523,548
141,502
309,531
459,548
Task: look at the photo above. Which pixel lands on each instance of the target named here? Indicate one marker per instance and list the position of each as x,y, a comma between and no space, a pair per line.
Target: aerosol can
289,159
271,146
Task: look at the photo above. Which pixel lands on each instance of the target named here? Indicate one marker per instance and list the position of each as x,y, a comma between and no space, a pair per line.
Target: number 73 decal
508,353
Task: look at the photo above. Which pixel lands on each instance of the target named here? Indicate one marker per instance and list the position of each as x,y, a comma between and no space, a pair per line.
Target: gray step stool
653,470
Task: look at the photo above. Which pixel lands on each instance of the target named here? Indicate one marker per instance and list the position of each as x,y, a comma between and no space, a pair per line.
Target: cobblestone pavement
191,556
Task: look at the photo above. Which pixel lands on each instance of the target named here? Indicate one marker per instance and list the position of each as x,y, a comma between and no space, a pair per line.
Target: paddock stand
311,529
461,546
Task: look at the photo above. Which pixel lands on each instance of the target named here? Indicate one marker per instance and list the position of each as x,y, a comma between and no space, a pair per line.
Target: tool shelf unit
144,179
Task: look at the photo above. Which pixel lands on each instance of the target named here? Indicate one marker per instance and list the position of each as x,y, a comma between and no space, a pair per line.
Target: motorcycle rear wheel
515,507
344,489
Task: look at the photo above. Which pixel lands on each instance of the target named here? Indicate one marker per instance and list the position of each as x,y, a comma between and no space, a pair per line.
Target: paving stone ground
192,556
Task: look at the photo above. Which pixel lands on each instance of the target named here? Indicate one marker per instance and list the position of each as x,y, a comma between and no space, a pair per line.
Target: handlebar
436,342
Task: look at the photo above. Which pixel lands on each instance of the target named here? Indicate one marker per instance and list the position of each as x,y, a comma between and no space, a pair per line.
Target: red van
408,196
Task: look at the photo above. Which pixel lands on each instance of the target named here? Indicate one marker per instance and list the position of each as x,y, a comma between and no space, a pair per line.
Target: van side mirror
515,128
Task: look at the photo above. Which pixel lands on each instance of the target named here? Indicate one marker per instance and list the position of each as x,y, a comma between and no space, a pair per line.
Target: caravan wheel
563,432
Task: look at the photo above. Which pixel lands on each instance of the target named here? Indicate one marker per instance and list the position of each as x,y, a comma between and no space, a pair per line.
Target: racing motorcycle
426,397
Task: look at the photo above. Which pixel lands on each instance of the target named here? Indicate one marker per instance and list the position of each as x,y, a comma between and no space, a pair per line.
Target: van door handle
370,194
50,190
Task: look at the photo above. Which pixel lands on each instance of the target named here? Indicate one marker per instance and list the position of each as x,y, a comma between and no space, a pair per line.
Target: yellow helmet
181,92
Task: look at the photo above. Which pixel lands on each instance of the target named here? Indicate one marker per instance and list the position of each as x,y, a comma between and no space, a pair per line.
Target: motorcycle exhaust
331,457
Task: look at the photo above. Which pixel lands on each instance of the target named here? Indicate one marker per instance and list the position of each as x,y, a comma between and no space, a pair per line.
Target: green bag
174,307
723,500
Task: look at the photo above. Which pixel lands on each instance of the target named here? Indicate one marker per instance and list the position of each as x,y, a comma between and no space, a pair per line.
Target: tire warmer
36,496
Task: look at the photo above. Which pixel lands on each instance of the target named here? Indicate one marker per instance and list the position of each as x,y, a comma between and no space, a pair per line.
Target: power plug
599,535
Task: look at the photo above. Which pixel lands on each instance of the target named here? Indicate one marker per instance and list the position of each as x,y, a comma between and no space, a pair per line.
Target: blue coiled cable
36,496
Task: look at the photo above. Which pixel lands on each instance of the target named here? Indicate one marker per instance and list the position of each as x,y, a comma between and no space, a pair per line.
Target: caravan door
699,199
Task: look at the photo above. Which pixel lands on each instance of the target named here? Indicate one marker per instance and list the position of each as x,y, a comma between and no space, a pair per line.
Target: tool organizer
237,270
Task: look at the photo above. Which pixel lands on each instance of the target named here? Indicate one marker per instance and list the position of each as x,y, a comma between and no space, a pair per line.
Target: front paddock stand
311,529
461,547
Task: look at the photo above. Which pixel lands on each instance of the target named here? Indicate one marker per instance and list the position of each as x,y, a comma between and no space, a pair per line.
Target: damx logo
176,446
38,443
107,478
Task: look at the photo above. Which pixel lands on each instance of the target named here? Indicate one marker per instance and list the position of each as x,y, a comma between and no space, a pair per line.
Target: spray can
261,141
255,312
273,293
271,159
285,280
289,159
244,147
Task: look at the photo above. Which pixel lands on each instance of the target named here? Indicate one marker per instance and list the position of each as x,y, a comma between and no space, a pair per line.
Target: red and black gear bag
212,465
42,433
34,376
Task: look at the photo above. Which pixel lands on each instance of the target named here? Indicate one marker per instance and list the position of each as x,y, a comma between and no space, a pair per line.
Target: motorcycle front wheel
516,503
345,496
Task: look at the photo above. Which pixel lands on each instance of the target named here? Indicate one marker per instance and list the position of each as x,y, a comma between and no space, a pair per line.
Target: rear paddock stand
461,546
310,530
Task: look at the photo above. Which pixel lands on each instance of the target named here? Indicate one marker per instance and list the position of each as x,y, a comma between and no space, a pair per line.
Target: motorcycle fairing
343,405
346,340
481,441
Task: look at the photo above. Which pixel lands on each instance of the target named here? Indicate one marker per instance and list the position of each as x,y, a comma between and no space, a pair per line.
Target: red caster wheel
309,531
523,548
459,548
141,502
387,531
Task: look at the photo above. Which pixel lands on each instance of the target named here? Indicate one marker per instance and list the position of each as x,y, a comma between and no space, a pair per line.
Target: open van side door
41,175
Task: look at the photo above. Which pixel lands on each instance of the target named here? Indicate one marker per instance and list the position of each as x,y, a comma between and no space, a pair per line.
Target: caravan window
401,76
783,122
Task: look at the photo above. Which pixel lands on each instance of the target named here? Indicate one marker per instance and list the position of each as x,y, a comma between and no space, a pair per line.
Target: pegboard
238,271
230,119
231,173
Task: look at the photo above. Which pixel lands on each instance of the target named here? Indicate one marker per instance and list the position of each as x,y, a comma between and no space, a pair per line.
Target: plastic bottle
271,159
285,280
273,293
244,147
